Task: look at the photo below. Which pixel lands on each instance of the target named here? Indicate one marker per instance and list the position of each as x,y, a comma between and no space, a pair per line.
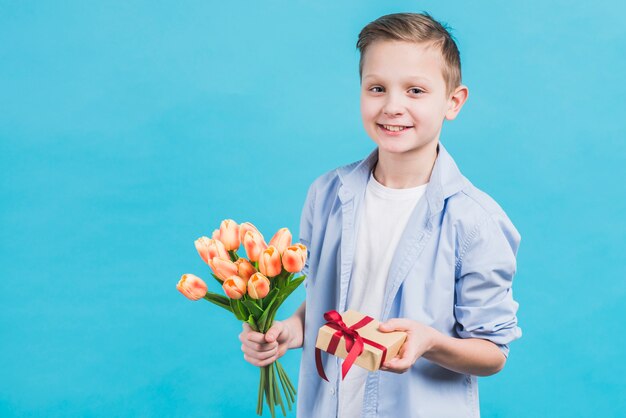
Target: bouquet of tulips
255,287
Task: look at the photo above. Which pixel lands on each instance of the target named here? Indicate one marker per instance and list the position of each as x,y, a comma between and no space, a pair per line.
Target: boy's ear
456,101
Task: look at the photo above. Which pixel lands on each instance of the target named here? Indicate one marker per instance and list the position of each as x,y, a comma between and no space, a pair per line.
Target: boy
403,235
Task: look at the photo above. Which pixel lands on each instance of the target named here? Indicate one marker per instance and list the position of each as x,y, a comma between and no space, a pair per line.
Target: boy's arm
473,356
466,355
484,307
295,328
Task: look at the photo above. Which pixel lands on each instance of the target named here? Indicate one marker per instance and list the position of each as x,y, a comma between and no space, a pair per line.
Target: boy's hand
420,339
264,349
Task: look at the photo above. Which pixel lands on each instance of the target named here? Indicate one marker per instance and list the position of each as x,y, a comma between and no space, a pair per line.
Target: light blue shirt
453,271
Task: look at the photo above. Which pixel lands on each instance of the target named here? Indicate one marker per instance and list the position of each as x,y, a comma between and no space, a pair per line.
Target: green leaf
282,279
254,309
262,321
267,300
293,285
219,300
218,279
244,311
235,308
252,323
271,312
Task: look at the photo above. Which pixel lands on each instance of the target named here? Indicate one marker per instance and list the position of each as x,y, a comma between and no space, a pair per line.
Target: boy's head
417,28
410,82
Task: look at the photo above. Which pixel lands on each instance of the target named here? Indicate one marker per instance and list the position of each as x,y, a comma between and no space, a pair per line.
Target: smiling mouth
394,128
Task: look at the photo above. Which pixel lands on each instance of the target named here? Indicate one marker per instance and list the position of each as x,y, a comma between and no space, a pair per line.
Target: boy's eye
416,90
376,89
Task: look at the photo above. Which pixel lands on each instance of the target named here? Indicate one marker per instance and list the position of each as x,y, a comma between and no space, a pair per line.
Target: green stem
284,386
259,405
270,388
290,387
279,399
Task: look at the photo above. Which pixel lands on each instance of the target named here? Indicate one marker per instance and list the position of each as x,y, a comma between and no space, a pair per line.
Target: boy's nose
393,106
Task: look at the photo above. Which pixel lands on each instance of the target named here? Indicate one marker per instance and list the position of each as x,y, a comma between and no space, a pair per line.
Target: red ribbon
354,342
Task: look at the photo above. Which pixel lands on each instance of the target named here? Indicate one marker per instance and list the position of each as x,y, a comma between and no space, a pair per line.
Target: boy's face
403,96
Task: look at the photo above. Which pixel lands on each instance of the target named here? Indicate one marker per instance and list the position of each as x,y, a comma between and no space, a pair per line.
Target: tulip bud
304,250
269,262
254,244
216,234
192,287
229,234
202,246
209,248
293,259
234,287
281,239
245,227
258,286
244,268
223,268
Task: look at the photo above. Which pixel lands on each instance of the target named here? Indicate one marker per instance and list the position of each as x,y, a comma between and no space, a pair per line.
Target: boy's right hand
264,349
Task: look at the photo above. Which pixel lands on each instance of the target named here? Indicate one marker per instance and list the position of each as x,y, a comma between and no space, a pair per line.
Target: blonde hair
418,28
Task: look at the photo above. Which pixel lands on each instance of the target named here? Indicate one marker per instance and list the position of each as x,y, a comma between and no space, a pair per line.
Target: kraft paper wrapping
371,356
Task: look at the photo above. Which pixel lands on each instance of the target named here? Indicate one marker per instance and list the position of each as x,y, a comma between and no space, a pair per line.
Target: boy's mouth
393,128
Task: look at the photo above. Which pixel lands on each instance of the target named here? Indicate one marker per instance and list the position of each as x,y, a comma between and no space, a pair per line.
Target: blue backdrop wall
128,129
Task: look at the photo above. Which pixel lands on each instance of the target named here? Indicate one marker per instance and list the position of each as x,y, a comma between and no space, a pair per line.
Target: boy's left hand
420,339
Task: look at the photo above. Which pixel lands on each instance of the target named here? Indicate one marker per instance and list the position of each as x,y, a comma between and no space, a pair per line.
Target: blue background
128,129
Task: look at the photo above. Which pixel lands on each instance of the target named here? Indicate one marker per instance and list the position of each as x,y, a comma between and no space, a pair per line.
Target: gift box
341,334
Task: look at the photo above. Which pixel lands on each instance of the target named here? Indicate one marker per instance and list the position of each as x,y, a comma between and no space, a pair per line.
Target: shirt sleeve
484,305
306,226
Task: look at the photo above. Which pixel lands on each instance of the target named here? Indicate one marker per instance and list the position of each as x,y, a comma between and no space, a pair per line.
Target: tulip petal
192,287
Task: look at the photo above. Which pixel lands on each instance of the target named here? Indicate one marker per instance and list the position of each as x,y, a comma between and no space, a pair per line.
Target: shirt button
332,391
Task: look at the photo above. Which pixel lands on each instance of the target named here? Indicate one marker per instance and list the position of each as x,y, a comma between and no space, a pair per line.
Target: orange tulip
254,244
223,268
303,248
258,286
216,234
294,258
244,268
234,287
202,246
245,227
281,239
192,287
229,234
269,262
209,248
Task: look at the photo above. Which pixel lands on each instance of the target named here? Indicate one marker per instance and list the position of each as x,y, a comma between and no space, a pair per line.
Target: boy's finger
259,347
253,336
260,355
272,334
394,324
398,365
249,334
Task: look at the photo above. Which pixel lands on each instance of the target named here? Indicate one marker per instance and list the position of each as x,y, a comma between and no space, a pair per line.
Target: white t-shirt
385,214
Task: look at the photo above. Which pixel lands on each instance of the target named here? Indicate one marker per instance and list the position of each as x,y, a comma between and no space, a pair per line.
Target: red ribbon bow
354,342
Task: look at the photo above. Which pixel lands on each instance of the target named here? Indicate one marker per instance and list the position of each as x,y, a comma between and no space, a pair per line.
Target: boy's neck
402,171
